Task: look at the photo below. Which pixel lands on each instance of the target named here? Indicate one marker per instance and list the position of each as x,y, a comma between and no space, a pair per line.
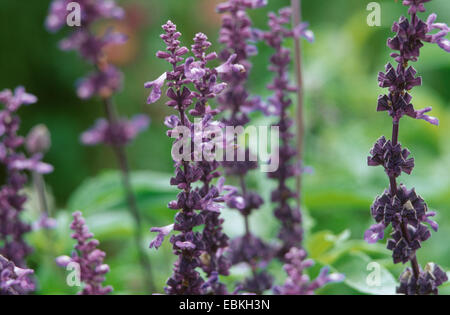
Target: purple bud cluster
87,259
196,205
14,280
291,232
13,229
106,79
400,207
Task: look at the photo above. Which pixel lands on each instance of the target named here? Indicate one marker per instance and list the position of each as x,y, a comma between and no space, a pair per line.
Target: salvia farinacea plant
104,82
191,84
398,206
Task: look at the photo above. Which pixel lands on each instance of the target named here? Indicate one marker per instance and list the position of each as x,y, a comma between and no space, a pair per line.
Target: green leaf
359,273
106,191
322,242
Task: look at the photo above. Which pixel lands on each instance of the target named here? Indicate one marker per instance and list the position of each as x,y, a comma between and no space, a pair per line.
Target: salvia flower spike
238,37
12,230
398,206
87,259
199,205
291,232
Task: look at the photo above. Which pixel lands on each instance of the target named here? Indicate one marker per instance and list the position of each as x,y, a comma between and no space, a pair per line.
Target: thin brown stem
131,200
296,18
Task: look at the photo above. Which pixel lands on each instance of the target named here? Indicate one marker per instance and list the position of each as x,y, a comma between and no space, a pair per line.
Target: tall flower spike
237,35
12,230
88,259
196,205
104,82
400,207
291,232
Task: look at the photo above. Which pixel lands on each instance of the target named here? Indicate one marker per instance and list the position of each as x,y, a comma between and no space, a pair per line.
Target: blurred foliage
340,71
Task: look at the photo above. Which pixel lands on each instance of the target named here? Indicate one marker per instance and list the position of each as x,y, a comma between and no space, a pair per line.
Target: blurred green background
340,74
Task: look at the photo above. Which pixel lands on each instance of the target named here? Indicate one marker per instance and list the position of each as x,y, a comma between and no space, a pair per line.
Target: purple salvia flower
400,207
194,249
13,229
14,280
88,258
298,282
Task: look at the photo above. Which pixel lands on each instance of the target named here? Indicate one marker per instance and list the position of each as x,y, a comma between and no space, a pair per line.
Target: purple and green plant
398,206
13,229
86,260
238,37
196,204
104,82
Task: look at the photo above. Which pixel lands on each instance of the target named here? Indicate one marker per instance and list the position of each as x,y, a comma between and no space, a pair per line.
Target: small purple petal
162,233
374,233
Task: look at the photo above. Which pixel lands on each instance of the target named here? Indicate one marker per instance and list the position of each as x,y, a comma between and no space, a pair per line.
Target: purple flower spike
195,204
399,207
87,258
291,232
13,229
